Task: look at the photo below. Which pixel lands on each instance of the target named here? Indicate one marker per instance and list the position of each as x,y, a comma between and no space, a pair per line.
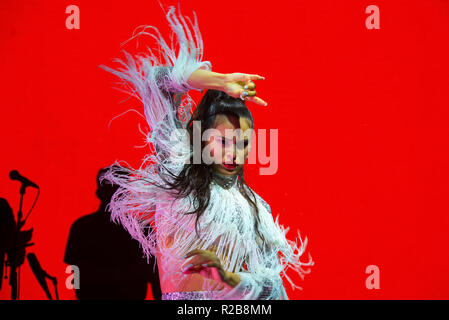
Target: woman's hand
237,85
240,85
206,263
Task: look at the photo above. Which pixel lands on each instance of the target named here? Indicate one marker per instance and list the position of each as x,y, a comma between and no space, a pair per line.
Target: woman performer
212,235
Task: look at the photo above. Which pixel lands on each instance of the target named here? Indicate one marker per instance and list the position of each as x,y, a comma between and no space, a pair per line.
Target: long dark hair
194,179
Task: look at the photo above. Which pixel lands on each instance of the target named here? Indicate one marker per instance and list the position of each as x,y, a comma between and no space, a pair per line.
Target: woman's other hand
207,264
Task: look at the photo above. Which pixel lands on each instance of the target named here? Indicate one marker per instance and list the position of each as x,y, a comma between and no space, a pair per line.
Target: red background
362,118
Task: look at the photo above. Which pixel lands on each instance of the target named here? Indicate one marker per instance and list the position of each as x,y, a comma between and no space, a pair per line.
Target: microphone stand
16,256
14,275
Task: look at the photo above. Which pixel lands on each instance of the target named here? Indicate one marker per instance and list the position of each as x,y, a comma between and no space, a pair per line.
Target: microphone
15,175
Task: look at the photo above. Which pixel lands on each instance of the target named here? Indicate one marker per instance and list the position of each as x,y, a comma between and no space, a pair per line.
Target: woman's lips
230,166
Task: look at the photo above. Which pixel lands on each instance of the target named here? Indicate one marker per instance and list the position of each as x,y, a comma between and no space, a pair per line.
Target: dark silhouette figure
111,263
7,228
13,243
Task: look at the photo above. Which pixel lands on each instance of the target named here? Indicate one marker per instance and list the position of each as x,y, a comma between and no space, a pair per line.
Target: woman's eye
243,145
227,143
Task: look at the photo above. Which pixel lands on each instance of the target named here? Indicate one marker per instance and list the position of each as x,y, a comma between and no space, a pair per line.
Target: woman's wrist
205,79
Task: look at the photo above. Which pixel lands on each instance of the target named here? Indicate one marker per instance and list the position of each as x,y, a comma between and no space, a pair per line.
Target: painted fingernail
245,87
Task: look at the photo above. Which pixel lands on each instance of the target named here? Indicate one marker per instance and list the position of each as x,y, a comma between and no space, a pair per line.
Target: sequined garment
189,295
224,181
154,218
205,295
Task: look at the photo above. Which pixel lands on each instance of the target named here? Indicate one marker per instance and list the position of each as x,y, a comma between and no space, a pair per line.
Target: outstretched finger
256,100
255,77
193,252
196,264
211,265
191,269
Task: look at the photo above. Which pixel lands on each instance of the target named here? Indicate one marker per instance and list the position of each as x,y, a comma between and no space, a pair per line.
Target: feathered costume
155,218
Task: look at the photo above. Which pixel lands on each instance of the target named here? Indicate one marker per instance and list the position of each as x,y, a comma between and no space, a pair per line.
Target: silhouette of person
13,242
111,263
7,227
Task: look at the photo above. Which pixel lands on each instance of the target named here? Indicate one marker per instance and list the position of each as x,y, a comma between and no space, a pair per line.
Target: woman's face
229,144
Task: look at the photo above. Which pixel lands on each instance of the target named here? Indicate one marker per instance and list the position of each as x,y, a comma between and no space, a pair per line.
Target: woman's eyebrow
224,137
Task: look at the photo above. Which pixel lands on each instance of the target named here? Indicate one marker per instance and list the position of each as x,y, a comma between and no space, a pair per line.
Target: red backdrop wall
362,118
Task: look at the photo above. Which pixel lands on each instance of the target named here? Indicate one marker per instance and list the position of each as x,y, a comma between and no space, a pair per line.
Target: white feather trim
156,220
